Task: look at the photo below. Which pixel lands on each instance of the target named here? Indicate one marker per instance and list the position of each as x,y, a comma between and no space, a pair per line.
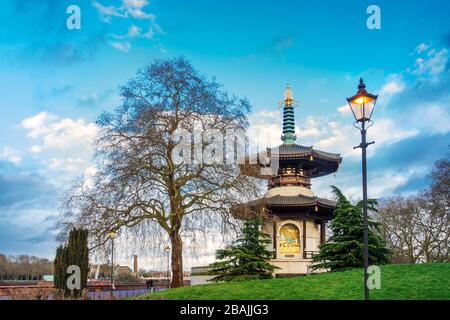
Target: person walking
151,285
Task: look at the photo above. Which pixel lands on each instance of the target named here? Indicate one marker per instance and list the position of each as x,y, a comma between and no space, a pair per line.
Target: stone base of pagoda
290,268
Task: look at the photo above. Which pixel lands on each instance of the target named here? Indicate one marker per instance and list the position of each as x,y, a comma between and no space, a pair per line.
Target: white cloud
120,42
382,182
56,133
65,146
431,66
107,12
344,109
135,9
265,128
309,132
74,167
264,134
123,46
431,117
312,128
337,137
385,183
327,134
133,31
394,85
67,164
421,48
128,8
136,32
11,155
272,115
386,131
37,124
36,149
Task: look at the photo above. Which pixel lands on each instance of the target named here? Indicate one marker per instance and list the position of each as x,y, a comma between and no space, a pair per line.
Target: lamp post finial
361,83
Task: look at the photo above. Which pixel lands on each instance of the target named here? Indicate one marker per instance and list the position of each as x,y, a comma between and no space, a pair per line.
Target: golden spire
288,96
288,100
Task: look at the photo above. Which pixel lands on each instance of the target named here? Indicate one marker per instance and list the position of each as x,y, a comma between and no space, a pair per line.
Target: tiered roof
293,165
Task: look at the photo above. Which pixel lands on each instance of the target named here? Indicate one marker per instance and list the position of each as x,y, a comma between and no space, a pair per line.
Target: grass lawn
400,281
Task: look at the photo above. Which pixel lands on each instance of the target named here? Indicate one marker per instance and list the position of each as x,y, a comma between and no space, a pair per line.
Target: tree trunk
177,260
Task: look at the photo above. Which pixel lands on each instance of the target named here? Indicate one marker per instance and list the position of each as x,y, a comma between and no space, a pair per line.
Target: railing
96,290
296,179
200,271
309,254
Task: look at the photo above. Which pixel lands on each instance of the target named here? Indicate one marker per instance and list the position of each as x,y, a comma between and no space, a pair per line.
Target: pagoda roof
286,206
318,163
293,201
295,150
314,163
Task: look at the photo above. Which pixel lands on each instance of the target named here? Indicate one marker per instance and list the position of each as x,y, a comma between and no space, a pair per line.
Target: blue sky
54,82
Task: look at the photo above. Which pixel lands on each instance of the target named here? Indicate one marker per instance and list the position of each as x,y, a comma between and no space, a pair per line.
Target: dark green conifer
344,249
247,258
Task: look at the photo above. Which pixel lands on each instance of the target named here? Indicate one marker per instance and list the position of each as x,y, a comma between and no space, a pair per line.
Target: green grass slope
400,281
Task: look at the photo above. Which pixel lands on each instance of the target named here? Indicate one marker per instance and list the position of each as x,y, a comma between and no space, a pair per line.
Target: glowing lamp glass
362,106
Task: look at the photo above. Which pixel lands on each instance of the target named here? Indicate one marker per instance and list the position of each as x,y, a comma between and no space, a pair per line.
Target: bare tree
153,180
24,267
435,202
3,266
417,228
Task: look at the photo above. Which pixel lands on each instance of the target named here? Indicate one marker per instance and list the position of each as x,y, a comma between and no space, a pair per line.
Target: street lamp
112,235
167,250
362,105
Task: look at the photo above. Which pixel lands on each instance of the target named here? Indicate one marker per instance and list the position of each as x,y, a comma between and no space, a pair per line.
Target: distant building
135,265
124,270
48,277
103,271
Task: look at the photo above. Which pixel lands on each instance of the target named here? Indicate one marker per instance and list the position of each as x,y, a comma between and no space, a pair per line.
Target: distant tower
135,265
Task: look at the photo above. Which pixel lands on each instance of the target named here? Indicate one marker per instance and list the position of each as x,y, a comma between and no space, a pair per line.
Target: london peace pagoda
294,216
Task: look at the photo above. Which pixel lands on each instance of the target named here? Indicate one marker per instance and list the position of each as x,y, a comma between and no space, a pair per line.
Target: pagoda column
274,238
322,231
304,239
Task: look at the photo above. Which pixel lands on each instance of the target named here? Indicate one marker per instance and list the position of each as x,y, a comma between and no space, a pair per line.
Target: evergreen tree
344,249
247,258
75,252
78,254
60,266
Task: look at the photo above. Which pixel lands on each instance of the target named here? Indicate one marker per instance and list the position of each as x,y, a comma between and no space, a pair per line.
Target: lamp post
167,250
112,235
362,105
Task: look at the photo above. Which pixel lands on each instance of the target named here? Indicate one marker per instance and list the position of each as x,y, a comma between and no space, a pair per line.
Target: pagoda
294,216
